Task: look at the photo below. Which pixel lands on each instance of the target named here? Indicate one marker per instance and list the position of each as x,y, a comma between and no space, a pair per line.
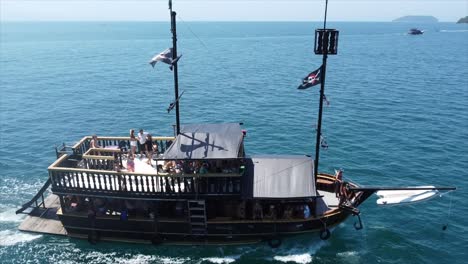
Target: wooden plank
46,222
42,225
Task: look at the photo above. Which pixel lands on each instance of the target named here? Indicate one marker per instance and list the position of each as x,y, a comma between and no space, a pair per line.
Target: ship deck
141,165
44,220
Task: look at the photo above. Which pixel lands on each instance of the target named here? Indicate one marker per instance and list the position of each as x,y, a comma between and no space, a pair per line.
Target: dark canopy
206,141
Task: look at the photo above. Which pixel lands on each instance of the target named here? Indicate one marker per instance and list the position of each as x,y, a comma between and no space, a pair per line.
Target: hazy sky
228,10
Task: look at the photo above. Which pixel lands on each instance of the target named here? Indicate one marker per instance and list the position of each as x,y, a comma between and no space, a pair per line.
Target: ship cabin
199,183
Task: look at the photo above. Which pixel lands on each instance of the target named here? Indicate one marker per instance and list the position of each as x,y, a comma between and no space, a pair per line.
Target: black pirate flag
312,79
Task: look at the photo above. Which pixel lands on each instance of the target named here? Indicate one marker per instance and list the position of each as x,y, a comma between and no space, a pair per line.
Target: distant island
419,19
463,20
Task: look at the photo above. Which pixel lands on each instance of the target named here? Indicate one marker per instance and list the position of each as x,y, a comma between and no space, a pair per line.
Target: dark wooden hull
178,231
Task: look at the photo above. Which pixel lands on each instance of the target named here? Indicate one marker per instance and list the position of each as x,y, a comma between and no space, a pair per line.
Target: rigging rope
193,33
444,227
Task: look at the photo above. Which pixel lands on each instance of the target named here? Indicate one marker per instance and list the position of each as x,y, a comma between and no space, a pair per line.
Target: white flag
166,57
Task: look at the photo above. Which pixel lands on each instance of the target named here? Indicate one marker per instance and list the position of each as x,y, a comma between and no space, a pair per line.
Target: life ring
275,242
325,234
93,237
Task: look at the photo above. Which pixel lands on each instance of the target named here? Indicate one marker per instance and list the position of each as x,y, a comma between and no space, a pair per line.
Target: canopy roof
286,176
206,141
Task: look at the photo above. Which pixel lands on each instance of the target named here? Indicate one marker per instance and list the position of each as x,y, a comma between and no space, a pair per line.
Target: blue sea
398,116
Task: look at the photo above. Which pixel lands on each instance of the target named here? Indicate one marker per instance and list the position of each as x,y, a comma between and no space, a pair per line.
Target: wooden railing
102,159
124,184
122,142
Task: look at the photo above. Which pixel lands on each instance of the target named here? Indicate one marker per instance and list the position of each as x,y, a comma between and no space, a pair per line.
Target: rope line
191,31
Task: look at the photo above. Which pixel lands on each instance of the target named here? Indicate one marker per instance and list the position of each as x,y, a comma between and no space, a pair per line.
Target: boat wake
114,257
10,238
9,215
349,256
299,252
224,260
299,258
454,30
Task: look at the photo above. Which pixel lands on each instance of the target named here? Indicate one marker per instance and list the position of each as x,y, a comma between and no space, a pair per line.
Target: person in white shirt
141,142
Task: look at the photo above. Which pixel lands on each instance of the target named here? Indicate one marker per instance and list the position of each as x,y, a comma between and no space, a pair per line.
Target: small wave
300,258
454,30
142,259
349,256
169,260
10,238
225,260
10,215
300,252
96,257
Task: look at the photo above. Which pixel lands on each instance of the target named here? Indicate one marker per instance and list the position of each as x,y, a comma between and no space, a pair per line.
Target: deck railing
125,184
102,159
122,142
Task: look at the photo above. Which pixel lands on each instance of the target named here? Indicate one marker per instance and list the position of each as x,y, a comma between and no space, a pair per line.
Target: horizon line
230,21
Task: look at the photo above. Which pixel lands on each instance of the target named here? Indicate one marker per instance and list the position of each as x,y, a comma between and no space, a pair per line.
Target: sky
228,10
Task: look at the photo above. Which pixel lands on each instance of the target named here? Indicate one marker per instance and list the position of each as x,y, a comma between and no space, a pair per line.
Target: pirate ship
201,187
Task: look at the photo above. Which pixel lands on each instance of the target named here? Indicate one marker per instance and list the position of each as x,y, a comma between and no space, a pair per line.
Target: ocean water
398,116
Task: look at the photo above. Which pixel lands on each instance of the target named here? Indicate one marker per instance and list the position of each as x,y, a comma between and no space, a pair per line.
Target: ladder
197,217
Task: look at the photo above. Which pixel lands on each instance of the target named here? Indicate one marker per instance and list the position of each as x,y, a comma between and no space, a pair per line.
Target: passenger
124,215
257,211
338,182
169,166
288,212
178,166
130,207
131,163
149,148
117,167
141,142
94,142
241,210
306,211
204,168
133,142
194,167
100,204
271,212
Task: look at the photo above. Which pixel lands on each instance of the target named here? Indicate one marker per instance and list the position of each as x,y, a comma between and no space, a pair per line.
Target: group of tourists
142,144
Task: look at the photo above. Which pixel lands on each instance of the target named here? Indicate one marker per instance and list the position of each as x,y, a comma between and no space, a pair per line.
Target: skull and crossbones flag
312,79
166,57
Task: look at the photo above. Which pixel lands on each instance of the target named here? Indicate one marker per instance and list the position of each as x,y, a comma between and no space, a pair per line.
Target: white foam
143,259
300,252
137,259
9,215
225,260
454,30
349,256
10,238
299,258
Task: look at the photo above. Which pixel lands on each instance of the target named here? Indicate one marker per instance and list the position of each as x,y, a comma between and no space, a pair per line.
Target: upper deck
81,170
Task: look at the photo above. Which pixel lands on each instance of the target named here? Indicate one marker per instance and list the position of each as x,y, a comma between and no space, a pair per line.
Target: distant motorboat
415,31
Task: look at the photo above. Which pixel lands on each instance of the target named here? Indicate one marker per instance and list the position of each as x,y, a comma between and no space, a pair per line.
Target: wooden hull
178,232
180,228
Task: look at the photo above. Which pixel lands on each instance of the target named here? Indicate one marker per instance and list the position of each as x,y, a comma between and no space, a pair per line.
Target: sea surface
398,116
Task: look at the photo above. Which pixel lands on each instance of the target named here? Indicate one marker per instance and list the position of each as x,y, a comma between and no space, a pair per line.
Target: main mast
174,59
326,42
